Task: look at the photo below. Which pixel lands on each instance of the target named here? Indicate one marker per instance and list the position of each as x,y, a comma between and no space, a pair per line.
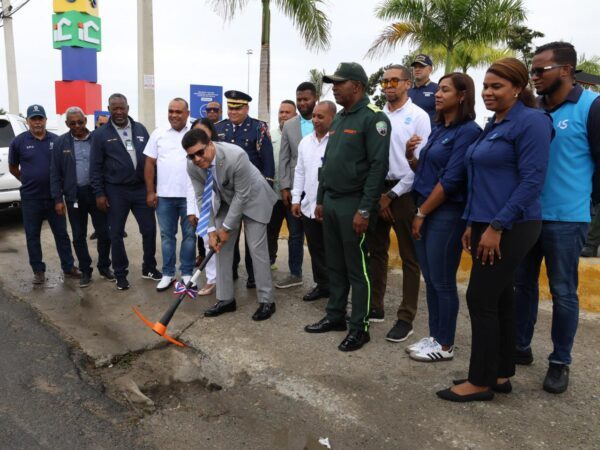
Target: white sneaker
164,283
419,344
185,279
433,353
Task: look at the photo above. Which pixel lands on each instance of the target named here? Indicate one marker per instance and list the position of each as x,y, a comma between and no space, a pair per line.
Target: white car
10,126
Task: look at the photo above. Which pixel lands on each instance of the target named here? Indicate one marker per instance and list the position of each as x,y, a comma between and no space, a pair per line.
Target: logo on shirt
30,147
408,120
563,124
427,94
381,128
51,145
140,138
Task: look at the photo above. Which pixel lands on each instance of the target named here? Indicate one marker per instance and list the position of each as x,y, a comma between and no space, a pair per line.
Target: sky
194,45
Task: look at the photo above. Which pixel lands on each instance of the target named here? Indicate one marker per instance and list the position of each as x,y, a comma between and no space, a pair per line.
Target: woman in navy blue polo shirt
506,167
439,188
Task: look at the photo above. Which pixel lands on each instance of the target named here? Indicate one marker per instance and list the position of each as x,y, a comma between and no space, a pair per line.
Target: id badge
128,145
75,205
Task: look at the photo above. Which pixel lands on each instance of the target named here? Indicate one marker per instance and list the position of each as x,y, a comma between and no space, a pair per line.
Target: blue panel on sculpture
79,64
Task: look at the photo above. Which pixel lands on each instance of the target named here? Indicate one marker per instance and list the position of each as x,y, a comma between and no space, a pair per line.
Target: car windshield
6,133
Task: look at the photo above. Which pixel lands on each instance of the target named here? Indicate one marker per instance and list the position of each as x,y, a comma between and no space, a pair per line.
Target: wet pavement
305,388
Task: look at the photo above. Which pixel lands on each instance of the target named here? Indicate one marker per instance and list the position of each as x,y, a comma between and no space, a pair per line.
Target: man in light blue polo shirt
574,152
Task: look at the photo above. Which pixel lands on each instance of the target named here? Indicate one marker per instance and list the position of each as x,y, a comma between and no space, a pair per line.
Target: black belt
390,183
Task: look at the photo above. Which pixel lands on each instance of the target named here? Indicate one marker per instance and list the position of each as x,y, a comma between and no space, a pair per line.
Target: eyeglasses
391,82
78,122
539,71
198,154
212,109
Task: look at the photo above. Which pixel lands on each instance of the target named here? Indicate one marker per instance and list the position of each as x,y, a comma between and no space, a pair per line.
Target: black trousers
490,298
316,248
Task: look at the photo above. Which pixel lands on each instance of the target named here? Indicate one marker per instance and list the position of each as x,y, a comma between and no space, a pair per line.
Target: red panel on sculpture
86,95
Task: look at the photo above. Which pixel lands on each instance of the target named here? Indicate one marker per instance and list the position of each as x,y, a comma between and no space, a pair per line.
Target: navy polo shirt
424,97
443,160
33,157
506,168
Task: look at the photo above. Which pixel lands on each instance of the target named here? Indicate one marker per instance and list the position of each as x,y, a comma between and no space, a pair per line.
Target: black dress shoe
250,284
264,311
354,340
523,357
316,294
504,388
557,378
219,308
447,394
324,325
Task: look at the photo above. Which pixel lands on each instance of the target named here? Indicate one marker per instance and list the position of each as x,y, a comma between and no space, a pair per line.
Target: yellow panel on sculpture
85,6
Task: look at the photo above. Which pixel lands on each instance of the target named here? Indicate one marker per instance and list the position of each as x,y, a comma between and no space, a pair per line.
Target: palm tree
308,18
315,76
446,23
468,56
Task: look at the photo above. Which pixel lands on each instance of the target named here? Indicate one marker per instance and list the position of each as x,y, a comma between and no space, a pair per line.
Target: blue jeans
295,240
78,218
560,245
438,252
35,211
169,211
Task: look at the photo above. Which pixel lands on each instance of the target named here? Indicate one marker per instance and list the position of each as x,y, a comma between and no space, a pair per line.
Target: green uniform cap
348,71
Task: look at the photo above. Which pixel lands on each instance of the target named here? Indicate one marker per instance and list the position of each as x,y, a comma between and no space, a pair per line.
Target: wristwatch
364,213
391,195
496,225
419,214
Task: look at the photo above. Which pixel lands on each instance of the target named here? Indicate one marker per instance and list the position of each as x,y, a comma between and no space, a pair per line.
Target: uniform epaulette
373,107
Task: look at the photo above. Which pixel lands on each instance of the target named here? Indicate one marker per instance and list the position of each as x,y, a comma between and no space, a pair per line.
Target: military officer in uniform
350,185
253,136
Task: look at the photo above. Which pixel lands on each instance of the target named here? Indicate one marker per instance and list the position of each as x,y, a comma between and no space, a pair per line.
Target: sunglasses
198,154
539,71
212,109
78,122
391,82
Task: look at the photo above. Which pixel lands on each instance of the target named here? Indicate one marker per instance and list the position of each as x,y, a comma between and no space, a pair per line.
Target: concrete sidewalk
376,395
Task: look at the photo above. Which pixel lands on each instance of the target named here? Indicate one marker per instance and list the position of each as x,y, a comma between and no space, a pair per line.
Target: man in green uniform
350,185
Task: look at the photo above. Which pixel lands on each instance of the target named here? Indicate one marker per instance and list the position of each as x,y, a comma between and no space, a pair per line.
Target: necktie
202,228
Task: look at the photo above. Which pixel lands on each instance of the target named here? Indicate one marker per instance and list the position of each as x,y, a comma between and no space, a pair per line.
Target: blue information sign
200,96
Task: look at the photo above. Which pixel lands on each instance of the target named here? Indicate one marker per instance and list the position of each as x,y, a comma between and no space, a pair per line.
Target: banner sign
201,95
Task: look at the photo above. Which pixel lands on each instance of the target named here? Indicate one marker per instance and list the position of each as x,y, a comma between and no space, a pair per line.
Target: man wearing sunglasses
239,194
565,199
396,205
422,93
70,184
213,112
253,136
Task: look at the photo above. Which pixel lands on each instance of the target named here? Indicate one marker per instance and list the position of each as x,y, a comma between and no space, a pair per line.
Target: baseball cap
36,111
423,60
348,71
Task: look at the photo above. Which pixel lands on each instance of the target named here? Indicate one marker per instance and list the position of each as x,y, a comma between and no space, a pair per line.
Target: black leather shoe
316,294
504,388
557,378
354,340
264,311
250,284
447,394
219,308
523,357
324,325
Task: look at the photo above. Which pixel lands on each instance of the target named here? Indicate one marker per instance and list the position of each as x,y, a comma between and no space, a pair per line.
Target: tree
2,111
446,23
372,86
315,76
308,18
520,40
591,66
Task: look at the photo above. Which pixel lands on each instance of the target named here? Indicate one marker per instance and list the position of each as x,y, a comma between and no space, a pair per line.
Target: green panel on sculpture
74,29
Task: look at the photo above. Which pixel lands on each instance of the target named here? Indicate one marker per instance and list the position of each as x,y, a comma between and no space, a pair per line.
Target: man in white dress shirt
166,163
311,152
396,206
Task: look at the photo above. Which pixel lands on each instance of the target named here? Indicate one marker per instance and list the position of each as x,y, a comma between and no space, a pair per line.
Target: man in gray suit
239,193
292,133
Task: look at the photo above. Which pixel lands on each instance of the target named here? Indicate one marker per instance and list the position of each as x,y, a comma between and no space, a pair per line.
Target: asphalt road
47,401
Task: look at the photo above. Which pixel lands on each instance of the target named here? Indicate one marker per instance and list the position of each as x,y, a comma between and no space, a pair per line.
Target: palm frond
228,8
310,20
395,34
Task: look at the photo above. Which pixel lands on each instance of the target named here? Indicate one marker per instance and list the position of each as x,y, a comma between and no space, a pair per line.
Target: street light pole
11,64
248,52
145,35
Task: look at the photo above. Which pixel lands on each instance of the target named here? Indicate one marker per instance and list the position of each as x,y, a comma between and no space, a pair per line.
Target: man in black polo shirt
423,91
29,162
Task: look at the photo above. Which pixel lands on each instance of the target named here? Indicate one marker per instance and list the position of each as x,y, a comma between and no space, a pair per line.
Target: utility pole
11,63
248,52
145,35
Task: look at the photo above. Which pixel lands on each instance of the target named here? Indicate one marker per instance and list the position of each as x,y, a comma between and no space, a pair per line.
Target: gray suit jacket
241,189
291,135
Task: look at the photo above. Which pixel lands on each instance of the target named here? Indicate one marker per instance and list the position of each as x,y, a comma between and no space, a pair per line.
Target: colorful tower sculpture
76,32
